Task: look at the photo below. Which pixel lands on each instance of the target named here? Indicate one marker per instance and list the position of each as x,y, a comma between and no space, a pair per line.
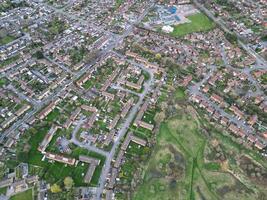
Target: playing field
199,22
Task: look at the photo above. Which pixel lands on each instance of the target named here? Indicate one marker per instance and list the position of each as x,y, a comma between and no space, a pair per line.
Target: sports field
199,22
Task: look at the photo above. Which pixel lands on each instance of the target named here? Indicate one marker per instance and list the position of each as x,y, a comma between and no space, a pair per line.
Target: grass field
27,195
199,22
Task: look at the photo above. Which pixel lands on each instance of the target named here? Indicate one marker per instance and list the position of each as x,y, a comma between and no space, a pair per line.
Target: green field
27,195
180,94
199,22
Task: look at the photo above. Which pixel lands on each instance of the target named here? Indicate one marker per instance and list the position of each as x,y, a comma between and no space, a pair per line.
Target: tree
55,188
231,37
39,55
158,56
68,182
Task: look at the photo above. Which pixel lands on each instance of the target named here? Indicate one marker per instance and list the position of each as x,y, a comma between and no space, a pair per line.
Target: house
146,125
252,138
186,80
93,163
141,113
237,112
234,129
109,137
224,121
60,158
112,180
114,122
47,109
138,140
83,79
127,107
22,110
132,85
216,116
89,108
73,116
217,98
260,145
89,123
119,158
47,139
108,95
252,120
9,143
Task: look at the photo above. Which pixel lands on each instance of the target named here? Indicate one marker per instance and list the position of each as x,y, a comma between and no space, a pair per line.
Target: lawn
27,195
199,22
2,82
180,94
7,39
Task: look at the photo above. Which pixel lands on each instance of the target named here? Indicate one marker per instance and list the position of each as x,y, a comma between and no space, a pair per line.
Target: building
93,163
60,158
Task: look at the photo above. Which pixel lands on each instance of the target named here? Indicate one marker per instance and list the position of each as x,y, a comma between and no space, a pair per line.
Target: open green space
177,150
27,195
199,22
179,169
2,81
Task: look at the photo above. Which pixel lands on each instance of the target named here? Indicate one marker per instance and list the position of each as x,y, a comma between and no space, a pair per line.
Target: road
121,134
80,144
132,114
59,65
